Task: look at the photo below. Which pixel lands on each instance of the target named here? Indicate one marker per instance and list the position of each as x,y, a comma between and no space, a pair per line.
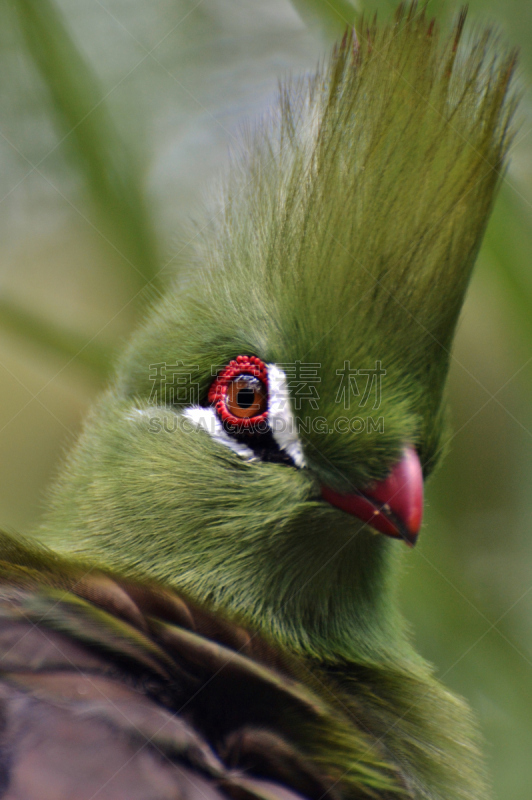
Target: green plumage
346,231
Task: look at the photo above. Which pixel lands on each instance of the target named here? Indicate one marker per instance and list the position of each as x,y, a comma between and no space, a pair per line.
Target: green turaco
216,614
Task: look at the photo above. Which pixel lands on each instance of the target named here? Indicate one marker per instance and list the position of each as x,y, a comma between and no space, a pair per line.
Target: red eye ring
218,393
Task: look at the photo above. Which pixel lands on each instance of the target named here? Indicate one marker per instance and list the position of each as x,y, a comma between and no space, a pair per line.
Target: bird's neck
337,606
339,615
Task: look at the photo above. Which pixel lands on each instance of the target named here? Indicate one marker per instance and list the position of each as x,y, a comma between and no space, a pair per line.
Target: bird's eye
240,394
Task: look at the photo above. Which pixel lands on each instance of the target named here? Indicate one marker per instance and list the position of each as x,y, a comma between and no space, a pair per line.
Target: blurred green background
114,117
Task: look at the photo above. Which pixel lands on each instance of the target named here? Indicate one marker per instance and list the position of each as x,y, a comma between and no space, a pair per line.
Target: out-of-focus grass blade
508,243
56,340
330,17
111,173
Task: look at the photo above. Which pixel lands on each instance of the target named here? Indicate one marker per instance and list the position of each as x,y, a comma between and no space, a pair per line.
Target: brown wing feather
112,688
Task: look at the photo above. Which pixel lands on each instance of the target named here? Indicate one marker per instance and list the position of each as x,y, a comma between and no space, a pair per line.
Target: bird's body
114,687
216,573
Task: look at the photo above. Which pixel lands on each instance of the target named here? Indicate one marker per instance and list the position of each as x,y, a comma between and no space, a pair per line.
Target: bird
209,608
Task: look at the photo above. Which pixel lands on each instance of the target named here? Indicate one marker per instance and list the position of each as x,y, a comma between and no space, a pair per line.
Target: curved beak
393,506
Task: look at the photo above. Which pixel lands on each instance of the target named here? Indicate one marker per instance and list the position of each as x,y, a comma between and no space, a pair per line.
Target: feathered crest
354,213
379,172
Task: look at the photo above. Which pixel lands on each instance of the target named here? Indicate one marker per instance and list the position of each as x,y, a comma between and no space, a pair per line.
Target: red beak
394,506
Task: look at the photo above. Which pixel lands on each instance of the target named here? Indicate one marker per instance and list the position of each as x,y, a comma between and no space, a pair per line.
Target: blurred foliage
114,118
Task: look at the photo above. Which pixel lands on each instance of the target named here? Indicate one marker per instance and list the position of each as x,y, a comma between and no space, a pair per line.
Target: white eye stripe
280,416
204,418
207,420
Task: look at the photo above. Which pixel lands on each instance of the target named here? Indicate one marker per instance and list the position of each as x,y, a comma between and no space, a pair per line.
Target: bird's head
277,413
